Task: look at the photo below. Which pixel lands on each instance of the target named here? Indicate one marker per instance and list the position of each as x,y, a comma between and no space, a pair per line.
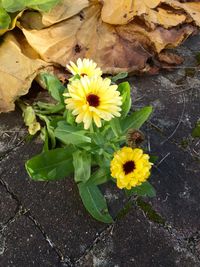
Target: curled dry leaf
164,18
66,9
30,120
191,8
122,12
116,48
17,70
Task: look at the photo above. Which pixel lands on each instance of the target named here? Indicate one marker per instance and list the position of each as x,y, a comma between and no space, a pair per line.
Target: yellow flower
93,99
131,167
85,67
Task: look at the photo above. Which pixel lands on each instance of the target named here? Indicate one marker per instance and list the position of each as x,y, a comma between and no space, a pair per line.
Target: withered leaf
17,72
115,48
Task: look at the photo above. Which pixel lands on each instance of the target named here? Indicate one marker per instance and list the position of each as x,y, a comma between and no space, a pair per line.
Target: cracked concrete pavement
45,224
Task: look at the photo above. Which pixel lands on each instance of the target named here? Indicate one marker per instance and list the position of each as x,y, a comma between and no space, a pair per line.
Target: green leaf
18,5
136,119
46,108
50,130
51,165
75,77
70,118
98,139
5,19
116,127
42,5
82,166
144,190
13,5
94,202
125,91
4,25
119,76
55,120
196,130
54,86
71,135
100,176
153,158
103,159
44,136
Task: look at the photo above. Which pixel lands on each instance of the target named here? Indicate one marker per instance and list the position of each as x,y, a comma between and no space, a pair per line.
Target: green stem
91,128
21,105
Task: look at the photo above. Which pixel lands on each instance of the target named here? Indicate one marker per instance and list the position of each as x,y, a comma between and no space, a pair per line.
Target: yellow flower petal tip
130,167
93,99
85,67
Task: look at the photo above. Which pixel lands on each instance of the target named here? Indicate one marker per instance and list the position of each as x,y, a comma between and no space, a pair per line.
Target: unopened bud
134,138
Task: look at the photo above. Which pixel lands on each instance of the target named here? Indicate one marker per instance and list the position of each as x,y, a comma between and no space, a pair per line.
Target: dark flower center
128,167
83,74
93,100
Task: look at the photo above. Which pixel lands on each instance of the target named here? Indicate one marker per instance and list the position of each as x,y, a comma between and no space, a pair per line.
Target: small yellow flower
131,167
85,67
93,99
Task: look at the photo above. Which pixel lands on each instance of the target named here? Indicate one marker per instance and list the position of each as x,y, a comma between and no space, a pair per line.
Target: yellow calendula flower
131,167
93,99
85,67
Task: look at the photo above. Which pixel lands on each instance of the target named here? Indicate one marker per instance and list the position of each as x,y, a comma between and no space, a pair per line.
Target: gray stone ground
45,224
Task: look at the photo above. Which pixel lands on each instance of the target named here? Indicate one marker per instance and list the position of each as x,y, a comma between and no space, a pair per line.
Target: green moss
184,143
180,81
150,212
125,210
190,72
196,130
198,58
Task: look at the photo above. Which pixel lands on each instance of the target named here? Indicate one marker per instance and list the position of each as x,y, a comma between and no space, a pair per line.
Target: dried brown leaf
17,72
66,9
115,48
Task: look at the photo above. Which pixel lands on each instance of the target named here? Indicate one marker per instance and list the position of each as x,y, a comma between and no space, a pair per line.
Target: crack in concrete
20,210
101,235
13,149
107,230
13,196
5,226
193,243
65,260
179,239
2,244
180,242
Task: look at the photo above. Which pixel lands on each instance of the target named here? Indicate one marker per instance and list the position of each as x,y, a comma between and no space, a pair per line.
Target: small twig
179,67
163,159
149,143
180,120
182,91
197,143
167,195
12,131
195,152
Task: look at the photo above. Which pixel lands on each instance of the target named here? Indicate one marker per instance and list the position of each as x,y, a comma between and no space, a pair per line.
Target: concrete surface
45,224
